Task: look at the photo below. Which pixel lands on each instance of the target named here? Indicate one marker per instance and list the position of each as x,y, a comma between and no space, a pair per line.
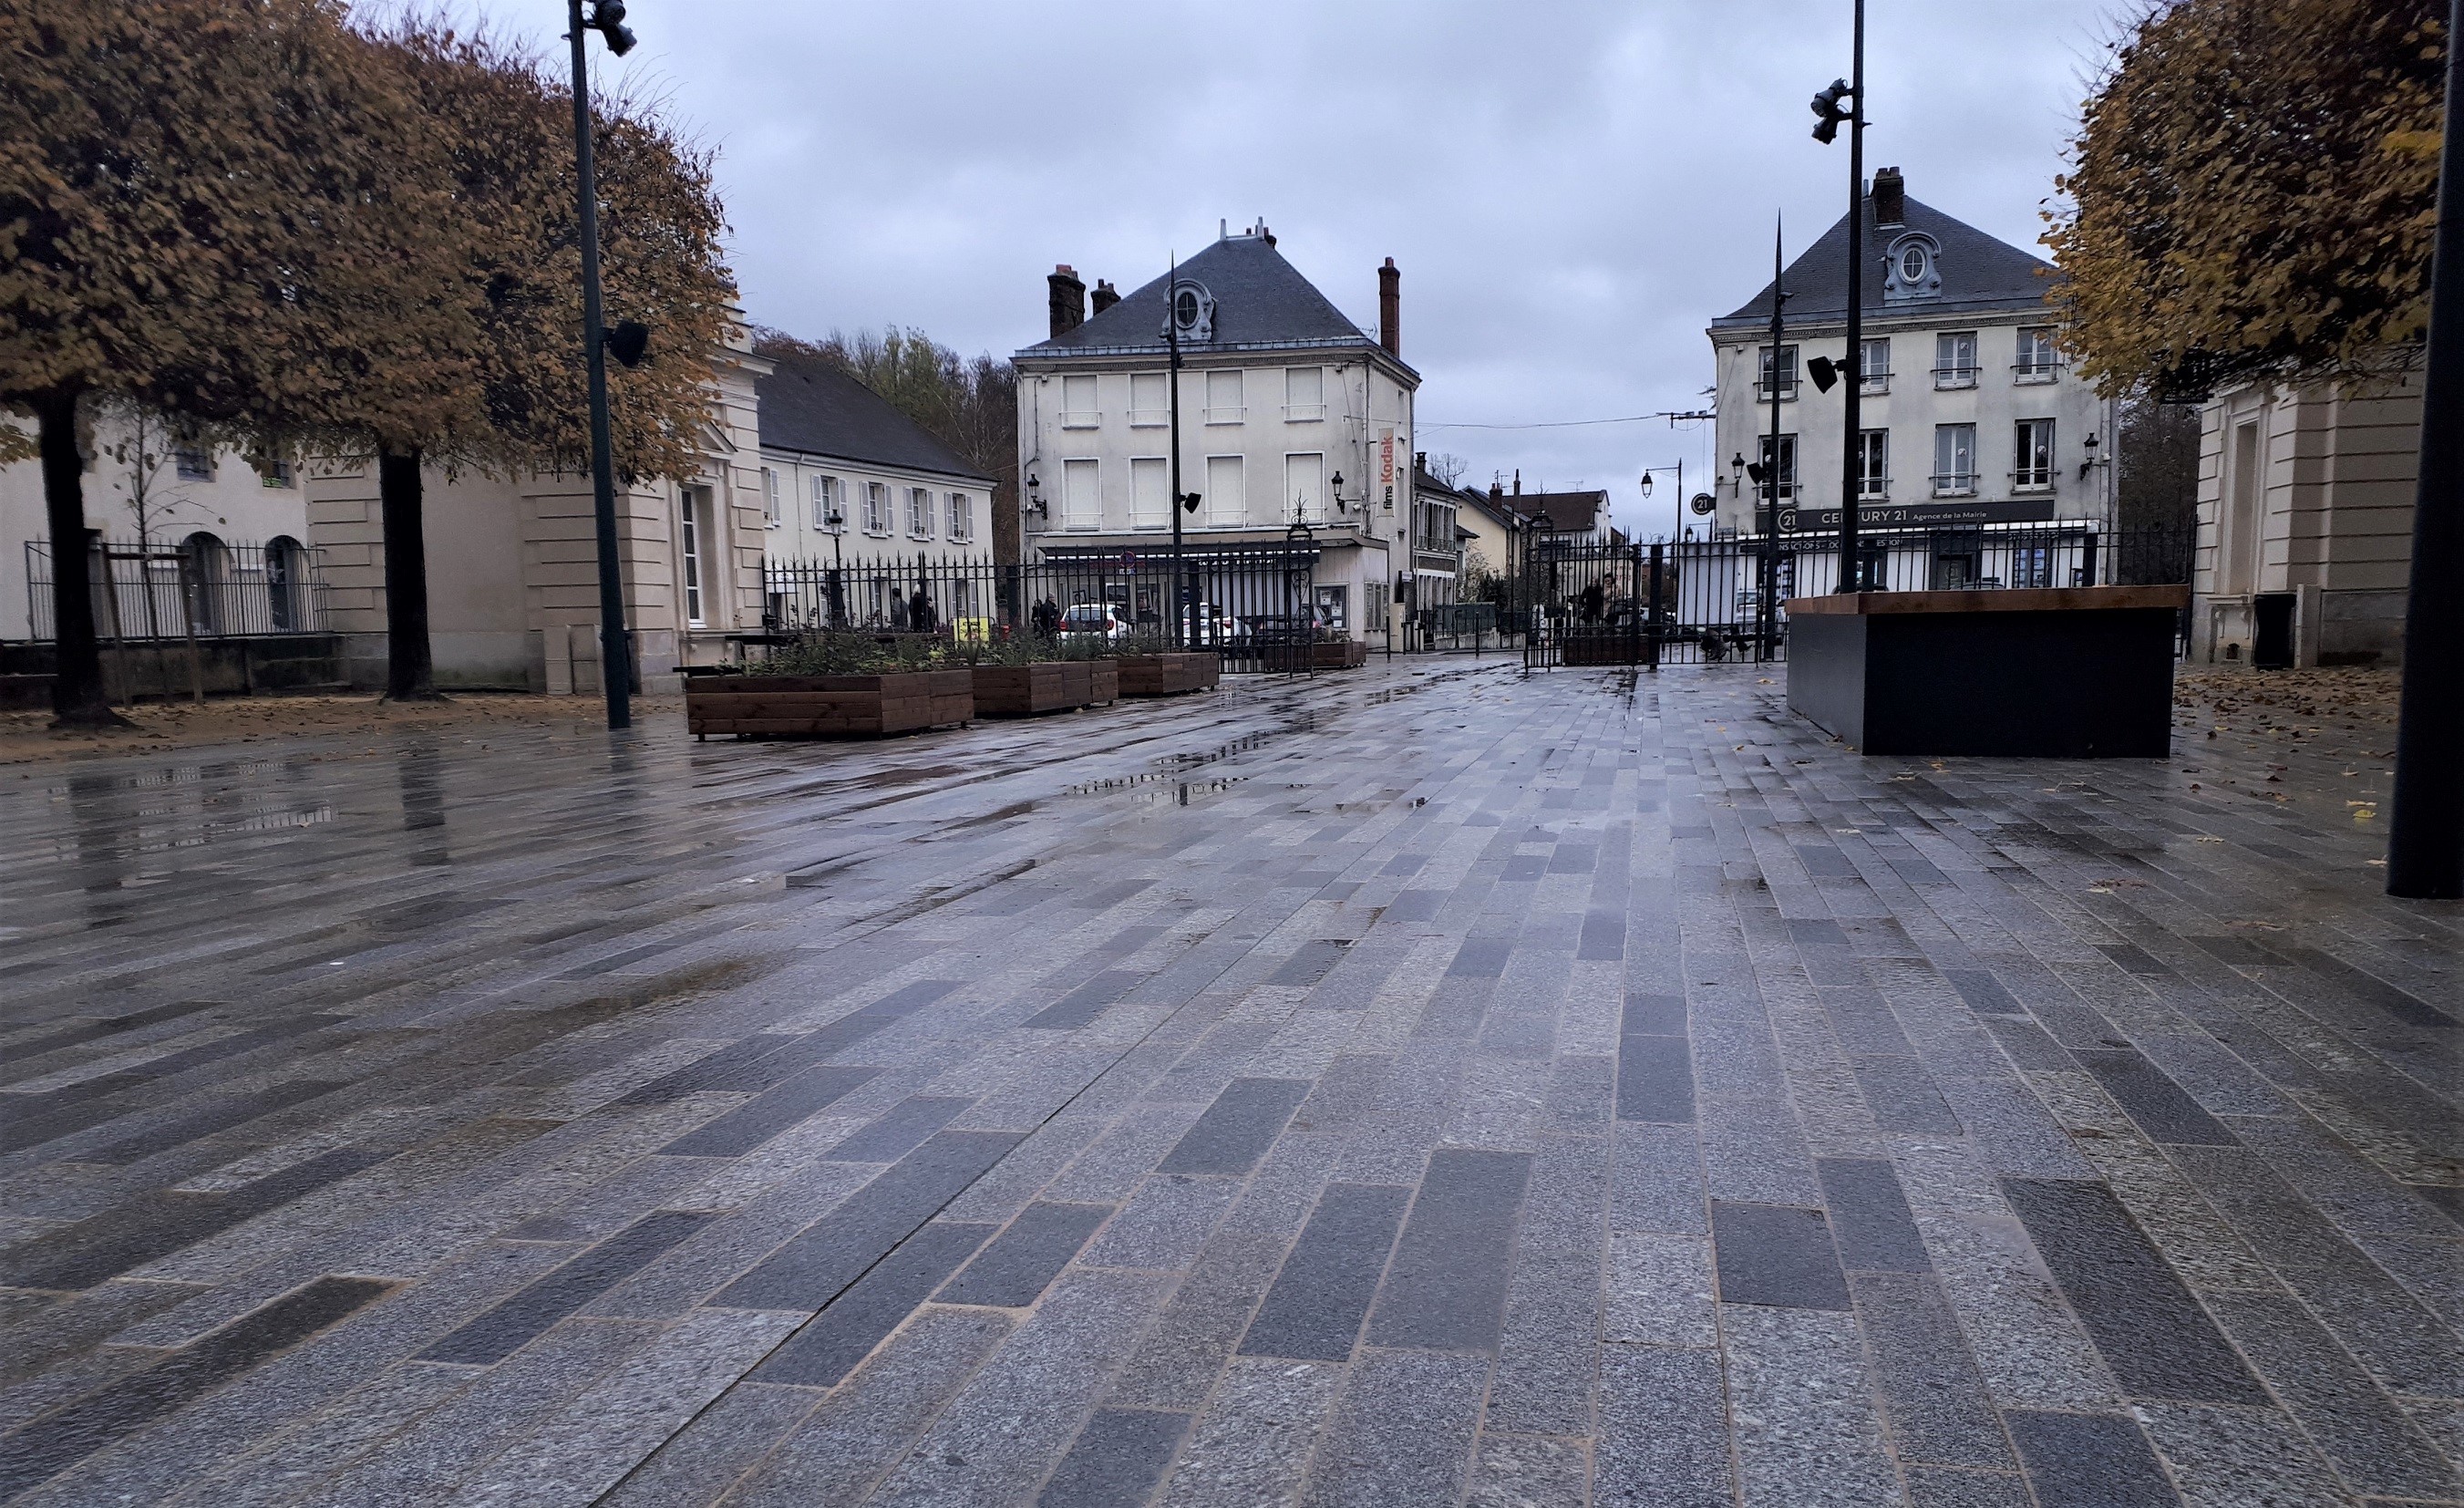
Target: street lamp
1829,117
615,657
1680,469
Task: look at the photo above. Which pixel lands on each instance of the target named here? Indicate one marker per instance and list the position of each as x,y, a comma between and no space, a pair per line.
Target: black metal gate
1584,602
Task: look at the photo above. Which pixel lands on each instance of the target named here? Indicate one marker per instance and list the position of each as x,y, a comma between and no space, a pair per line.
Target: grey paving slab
1542,1090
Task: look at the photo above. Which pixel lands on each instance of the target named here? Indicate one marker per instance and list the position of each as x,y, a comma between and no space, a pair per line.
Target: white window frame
1874,377
1296,410
1788,356
769,497
2033,467
1082,498
1948,480
1231,412
830,496
688,541
1783,486
1873,482
1152,415
1954,360
1084,386
2037,361
1157,470
1222,513
919,512
962,518
1304,487
876,509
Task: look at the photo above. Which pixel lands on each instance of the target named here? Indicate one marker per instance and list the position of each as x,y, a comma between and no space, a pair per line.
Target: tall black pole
1770,635
2425,839
615,660
1172,344
1851,418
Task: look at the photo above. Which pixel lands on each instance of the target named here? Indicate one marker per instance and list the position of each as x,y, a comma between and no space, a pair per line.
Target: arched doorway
205,577
284,588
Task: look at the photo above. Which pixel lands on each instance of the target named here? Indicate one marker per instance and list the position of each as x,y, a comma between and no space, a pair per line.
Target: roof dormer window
1192,312
1912,267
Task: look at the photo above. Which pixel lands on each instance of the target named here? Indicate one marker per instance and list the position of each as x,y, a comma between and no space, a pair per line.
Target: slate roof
814,407
1979,274
1567,512
1261,303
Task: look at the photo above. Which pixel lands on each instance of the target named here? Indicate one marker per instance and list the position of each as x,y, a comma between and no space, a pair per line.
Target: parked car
1105,620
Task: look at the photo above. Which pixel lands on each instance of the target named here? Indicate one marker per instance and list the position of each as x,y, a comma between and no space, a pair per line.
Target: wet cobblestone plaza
1427,1085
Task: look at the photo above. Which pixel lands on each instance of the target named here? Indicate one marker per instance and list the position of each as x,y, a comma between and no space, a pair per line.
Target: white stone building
1971,417
2305,524
1289,415
848,484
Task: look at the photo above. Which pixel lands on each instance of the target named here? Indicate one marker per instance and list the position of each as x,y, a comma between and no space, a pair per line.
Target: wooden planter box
1025,691
2050,673
829,706
1169,674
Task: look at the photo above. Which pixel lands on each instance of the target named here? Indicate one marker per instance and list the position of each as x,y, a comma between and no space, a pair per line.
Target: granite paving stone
1429,1083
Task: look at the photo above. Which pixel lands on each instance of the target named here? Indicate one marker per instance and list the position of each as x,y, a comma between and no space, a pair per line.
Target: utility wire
1567,424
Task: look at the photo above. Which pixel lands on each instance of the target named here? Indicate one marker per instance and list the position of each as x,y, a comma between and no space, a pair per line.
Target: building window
1150,492
1149,399
829,503
1874,366
1874,465
689,531
1954,460
2036,359
2033,471
919,512
1223,403
877,507
1331,604
1304,486
1786,373
1227,496
1786,478
769,498
275,472
193,463
1078,410
962,518
1954,359
1304,393
1080,507
2031,566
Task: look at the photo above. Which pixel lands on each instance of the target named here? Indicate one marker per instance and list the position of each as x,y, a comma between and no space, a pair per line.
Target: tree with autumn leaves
2254,194
283,230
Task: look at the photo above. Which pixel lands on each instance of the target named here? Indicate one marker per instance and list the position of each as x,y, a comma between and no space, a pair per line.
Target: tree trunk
77,699
409,673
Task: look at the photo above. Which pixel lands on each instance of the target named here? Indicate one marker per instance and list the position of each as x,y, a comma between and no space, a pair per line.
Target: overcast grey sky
1572,189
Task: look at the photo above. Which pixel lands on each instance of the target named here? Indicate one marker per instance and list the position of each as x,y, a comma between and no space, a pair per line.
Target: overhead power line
1671,415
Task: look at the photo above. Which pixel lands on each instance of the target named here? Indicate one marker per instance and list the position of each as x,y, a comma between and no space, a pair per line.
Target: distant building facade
1971,416
848,484
1289,415
2305,523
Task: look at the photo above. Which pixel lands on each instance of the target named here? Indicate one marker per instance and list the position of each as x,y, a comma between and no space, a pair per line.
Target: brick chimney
1106,295
1890,197
1390,309
1069,301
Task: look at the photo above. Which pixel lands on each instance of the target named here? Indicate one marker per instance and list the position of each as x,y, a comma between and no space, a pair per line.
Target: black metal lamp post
1180,504
1680,469
2426,837
1826,106
615,657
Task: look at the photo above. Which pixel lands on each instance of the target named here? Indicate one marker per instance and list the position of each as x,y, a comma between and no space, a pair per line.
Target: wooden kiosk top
2019,599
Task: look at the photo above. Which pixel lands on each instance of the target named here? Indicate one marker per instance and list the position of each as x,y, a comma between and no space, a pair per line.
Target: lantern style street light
615,654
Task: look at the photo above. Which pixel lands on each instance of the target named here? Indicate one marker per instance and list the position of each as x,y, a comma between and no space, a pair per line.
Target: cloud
1573,188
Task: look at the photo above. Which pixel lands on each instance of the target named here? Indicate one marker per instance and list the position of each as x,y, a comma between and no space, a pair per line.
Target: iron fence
1708,600
1244,601
200,587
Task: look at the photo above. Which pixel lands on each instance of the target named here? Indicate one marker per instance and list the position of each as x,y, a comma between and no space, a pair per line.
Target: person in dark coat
919,613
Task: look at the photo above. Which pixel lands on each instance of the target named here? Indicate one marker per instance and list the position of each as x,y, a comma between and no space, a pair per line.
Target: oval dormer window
1912,264
1193,313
